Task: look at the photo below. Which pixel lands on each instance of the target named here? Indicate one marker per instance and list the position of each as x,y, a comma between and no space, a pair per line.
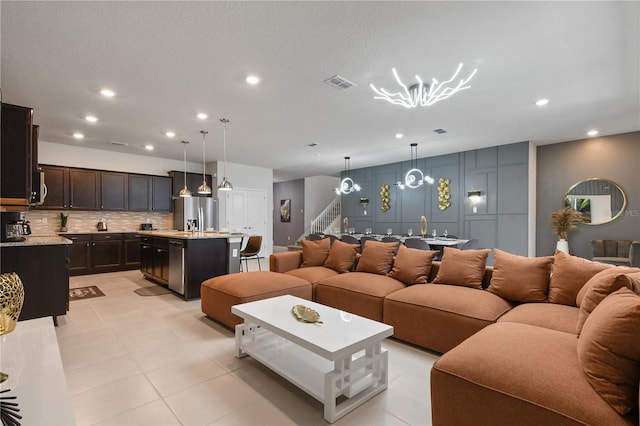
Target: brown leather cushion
520,279
547,315
609,349
462,267
315,253
377,257
341,256
412,266
220,293
600,286
570,273
313,274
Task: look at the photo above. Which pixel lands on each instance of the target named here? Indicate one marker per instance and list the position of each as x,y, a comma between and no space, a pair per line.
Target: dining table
434,243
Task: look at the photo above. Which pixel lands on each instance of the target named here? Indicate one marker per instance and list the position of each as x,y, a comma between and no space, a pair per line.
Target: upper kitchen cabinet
194,180
84,188
16,155
160,194
57,183
114,191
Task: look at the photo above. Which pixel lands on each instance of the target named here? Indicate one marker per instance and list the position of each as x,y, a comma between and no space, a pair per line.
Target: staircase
328,218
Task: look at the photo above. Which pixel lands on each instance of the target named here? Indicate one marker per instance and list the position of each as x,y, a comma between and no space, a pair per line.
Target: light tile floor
157,360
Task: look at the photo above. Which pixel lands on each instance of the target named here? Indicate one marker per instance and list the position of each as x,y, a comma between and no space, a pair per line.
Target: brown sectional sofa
507,360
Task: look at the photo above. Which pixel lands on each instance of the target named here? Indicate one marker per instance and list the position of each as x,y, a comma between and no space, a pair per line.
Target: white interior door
247,212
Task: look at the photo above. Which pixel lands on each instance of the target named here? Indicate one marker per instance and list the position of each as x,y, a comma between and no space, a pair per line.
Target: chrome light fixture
184,192
475,196
347,185
414,177
423,94
204,188
224,185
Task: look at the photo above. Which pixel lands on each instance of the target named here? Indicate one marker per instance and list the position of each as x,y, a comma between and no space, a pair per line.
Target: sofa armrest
285,261
634,254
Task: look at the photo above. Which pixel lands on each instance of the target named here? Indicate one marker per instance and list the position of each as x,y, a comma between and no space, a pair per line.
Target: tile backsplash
47,222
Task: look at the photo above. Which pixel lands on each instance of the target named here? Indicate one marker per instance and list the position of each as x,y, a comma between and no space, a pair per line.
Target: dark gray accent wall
287,233
616,158
500,173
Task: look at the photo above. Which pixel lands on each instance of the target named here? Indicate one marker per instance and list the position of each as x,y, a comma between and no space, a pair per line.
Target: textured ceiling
169,60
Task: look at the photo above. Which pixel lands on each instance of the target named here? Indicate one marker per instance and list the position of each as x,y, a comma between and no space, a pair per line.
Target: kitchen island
183,260
42,265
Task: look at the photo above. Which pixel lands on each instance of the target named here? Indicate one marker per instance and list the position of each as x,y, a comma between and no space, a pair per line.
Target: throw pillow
341,256
609,350
519,278
603,284
315,253
412,266
462,267
569,275
377,257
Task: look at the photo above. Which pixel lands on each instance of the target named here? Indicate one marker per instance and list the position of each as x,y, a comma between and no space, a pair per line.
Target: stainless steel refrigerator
200,212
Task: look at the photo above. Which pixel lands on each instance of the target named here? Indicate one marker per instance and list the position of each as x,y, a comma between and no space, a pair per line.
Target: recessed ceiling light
148,147
542,102
592,132
78,135
202,116
253,79
312,144
91,118
399,135
170,134
108,93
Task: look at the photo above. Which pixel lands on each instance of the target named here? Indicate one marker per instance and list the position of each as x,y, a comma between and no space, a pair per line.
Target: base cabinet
97,253
44,275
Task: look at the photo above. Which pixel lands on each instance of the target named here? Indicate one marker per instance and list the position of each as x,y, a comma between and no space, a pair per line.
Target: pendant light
224,185
184,192
347,185
414,177
204,188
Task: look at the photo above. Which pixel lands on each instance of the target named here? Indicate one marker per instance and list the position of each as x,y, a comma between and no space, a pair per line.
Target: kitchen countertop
182,235
50,240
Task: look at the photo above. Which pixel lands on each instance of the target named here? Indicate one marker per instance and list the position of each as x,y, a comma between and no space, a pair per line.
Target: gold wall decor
11,300
444,193
385,198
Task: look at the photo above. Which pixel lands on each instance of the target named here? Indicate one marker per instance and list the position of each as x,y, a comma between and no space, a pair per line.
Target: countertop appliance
26,227
198,213
146,227
102,225
12,226
176,266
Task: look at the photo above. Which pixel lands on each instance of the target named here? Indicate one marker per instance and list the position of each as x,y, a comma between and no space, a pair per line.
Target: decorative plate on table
305,314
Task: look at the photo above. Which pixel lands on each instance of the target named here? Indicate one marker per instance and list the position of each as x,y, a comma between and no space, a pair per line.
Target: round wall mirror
598,200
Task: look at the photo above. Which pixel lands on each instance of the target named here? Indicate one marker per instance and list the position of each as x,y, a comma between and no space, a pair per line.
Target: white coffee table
334,359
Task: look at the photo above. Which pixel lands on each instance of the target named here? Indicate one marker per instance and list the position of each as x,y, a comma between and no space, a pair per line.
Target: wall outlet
235,253
475,209
44,220
288,238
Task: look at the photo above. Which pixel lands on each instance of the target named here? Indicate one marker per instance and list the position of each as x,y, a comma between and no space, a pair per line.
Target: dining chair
350,239
453,237
390,240
416,243
366,238
470,245
331,237
254,243
315,237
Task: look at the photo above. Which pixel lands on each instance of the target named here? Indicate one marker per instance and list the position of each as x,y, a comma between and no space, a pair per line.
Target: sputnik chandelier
347,185
423,94
414,177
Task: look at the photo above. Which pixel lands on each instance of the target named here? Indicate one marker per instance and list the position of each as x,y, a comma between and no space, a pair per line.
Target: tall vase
11,300
562,245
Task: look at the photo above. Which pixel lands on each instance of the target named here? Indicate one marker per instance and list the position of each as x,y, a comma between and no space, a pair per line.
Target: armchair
616,252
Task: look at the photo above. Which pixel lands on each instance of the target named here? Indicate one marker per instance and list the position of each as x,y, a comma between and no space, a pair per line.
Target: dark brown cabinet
146,256
139,193
16,155
79,254
57,183
194,180
161,259
114,191
160,194
108,252
84,189
44,275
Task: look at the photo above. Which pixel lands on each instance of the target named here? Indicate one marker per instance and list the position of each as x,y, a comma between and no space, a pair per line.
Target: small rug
154,290
82,293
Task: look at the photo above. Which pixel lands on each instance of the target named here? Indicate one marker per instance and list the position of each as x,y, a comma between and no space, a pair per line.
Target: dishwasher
176,266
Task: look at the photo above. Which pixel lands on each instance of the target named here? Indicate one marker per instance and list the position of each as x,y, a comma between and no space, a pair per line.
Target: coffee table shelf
327,361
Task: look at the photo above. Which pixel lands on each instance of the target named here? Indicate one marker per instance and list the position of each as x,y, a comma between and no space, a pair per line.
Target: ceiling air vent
440,131
339,82
116,143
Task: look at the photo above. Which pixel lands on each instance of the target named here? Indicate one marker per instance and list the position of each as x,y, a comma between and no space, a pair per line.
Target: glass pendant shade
184,192
224,185
204,188
347,185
